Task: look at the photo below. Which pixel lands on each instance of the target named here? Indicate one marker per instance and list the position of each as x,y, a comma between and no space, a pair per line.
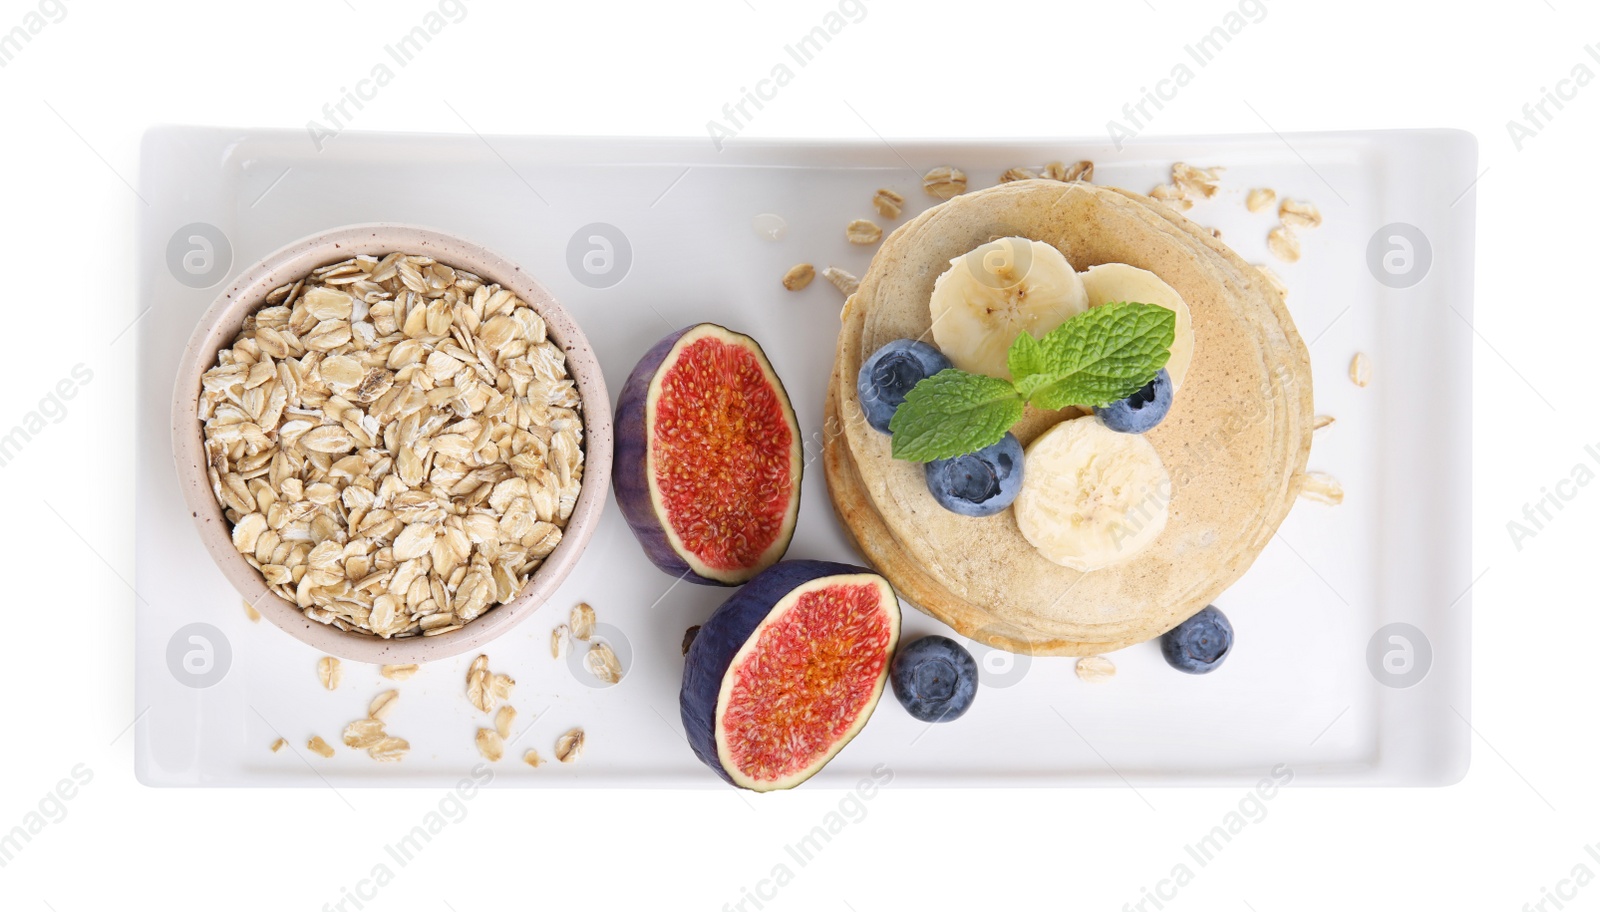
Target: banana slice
1091,497
988,296
1110,282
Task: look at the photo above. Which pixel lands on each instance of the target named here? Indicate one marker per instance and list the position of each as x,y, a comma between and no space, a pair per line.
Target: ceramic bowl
220,325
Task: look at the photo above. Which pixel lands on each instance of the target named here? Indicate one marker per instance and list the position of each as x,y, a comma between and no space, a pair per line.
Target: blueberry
890,373
978,484
934,678
1141,411
1200,644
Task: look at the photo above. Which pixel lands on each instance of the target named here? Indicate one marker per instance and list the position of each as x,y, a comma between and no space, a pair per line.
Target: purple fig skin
724,634
629,474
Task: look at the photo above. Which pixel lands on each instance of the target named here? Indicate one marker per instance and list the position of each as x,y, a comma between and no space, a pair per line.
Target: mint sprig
1095,358
944,414
1091,360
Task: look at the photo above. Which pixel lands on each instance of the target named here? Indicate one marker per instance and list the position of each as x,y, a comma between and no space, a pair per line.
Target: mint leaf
1096,357
1026,358
953,413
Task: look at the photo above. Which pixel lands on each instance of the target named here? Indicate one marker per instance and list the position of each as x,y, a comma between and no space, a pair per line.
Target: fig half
708,458
787,671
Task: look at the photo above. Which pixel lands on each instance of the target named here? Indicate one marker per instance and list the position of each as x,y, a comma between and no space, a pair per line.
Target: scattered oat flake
503,718
478,684
842,280
1017,174
369,735
328,672
569,747
888,203
319,747
1172,196
862,231
688,637
1095,669
1283,243
383,704
398,672
1196,180
500,686
799,276
251,612
582,621
278,745
1361,369
363,733
603,663
558,641
389,749
490,744
533,759
1321,421
1322,488
1299,214
944,182
1077,171
1259,198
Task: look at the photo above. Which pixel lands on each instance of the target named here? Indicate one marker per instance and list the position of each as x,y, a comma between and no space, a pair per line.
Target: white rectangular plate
1311,684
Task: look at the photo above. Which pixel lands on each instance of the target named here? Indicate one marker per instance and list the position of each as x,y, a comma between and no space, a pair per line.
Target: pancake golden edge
1235,443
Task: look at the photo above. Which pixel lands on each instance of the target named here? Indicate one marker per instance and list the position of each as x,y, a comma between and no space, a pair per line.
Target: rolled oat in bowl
396,445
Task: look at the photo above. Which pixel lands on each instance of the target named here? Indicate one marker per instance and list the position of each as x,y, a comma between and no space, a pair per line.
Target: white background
76,99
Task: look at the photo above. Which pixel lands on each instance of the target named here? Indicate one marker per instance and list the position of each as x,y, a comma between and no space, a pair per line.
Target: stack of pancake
1235,443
